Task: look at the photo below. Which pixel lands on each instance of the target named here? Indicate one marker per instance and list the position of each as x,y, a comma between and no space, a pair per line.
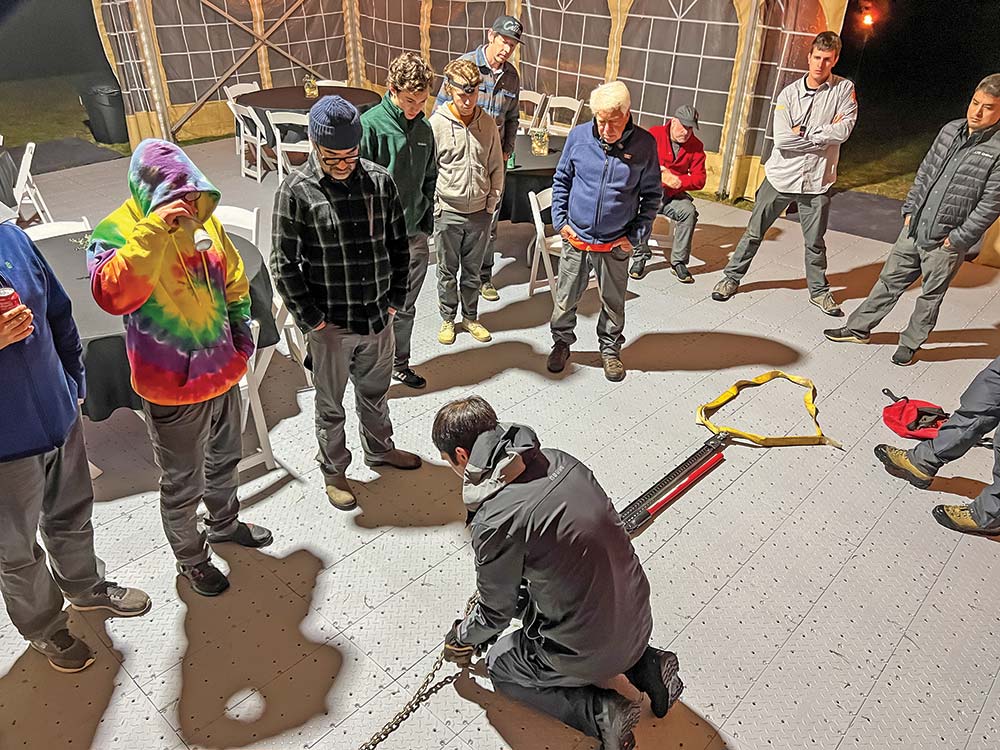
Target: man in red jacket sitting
682,168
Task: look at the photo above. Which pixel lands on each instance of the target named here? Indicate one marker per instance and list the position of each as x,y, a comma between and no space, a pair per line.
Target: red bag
911,418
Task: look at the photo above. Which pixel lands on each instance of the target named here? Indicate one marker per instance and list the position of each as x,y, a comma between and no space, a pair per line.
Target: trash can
106,111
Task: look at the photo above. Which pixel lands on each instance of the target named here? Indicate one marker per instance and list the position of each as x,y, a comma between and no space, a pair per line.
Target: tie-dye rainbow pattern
187,312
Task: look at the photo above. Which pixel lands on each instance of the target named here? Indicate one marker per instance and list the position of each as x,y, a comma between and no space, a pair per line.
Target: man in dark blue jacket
605,195
43,466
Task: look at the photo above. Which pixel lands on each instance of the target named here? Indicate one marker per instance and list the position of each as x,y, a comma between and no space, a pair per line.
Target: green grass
45,109
880,165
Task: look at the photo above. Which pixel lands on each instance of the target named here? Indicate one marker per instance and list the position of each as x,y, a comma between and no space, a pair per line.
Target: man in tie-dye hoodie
188,339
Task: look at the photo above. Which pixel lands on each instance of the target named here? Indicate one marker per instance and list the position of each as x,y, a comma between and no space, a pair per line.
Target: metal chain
422,695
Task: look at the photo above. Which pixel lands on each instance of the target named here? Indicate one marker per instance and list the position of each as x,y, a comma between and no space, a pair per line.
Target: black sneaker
245,535
655,674
65,652
616,717
408,377
205,578
557,357
903,356
680,270
638,268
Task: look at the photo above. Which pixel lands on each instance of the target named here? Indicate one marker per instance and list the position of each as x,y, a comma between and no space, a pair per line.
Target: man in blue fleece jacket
43,466
605,195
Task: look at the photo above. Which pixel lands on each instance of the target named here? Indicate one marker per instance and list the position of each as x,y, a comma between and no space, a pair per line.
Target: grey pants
814,210
460,241
402,326
48,494
681,210
977,415
518,669
611,270
906,263
197,447
489,256
338,356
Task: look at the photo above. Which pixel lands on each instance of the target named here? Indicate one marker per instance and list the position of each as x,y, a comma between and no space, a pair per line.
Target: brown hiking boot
898,464
614,370
557,357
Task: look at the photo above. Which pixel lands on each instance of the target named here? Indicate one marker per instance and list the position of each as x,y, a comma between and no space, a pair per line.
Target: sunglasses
468,88
192,196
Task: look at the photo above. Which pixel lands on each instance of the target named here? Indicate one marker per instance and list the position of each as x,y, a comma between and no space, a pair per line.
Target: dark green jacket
406,149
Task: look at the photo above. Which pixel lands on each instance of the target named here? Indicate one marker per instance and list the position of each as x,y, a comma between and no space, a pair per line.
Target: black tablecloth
109,385
293,99
532,173
8,176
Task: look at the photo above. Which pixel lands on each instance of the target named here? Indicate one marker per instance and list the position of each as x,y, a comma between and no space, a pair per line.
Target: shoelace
113,591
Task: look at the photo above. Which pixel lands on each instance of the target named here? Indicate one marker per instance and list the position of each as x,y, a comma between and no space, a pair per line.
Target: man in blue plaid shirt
340,260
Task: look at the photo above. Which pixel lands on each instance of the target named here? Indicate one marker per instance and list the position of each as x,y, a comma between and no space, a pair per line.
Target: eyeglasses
332,161
468,88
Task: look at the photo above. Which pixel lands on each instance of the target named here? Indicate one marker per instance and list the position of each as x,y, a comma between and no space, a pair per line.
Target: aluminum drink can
8,299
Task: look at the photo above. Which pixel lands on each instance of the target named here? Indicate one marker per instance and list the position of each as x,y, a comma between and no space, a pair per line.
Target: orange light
868,19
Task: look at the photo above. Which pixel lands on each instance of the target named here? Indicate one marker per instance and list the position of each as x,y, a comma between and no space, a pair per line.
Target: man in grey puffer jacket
551,551
954,200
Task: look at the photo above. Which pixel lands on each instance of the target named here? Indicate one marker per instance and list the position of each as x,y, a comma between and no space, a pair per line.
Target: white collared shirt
807,164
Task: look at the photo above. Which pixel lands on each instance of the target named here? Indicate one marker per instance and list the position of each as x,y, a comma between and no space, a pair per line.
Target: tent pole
145,27
740,110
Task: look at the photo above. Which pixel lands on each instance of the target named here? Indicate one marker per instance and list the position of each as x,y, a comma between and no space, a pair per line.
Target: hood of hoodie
496,460
160,172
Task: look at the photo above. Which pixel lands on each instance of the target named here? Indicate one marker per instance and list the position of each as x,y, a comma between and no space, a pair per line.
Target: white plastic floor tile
812,599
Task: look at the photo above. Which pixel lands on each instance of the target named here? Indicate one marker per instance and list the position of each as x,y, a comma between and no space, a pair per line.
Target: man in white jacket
813,115
469,186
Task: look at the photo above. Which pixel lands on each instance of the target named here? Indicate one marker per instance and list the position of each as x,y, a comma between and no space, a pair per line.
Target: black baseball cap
509,26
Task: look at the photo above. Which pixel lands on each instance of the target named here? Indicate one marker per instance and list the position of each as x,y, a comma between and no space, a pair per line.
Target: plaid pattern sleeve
340,252
286,261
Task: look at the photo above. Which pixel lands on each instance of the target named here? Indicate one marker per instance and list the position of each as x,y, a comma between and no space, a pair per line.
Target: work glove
455,651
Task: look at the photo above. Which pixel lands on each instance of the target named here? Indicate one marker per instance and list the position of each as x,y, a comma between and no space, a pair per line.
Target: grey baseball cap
687,116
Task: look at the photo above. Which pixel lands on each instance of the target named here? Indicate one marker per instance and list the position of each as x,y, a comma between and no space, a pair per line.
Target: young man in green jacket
397,135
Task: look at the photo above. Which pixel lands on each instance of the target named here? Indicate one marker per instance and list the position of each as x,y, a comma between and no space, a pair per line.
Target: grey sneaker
827,304
245,535
724,289
616,717
118,600
846,335
65,652
903,356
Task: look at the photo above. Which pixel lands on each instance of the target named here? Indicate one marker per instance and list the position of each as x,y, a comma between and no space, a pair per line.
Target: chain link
422,695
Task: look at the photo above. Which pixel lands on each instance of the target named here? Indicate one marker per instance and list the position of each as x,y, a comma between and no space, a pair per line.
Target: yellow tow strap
705,411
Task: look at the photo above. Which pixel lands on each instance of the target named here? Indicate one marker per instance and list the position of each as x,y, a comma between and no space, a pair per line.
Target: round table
109,384
532,173
293,99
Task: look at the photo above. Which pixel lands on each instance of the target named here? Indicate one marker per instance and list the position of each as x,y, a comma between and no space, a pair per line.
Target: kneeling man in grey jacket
551,552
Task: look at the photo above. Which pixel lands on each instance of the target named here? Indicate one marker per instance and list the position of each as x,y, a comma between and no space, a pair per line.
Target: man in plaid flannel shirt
340,260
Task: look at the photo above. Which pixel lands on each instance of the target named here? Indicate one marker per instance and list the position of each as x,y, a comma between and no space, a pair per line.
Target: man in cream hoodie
469,186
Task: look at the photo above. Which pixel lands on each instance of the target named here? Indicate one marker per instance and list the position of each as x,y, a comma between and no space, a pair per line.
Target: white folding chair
282,147
257,140
567,103
57,228
25,189
328,82
235,218
544,247
238,89
527,121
